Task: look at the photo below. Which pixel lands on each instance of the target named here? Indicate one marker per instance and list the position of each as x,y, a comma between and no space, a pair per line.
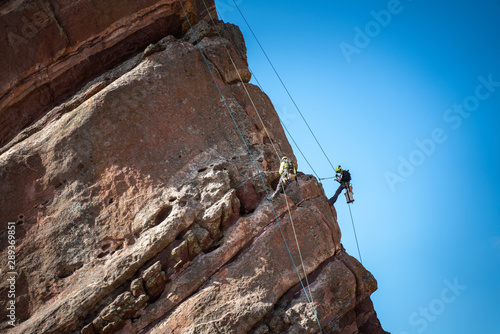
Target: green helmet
338,169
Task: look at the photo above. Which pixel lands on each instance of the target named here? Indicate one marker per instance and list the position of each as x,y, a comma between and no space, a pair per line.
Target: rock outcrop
136,203
51,48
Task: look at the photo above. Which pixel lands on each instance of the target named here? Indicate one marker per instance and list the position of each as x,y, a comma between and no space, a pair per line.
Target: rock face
138,208
51,48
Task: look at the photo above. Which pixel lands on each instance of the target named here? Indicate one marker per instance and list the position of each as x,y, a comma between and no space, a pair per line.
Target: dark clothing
344,183
342,186
346,177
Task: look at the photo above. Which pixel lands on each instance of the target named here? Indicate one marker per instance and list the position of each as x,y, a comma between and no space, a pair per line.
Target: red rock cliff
51,48
136,204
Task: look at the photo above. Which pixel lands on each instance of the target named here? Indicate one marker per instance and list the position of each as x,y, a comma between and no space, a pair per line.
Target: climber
288,172
344,178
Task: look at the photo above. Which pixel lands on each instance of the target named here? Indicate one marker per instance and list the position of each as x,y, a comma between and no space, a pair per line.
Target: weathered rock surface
138,208
51,48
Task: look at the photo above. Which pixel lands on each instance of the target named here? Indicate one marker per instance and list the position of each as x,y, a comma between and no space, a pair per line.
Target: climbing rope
355,236
298,109
284,86
289,134
272,143
253,159
286,129
297,242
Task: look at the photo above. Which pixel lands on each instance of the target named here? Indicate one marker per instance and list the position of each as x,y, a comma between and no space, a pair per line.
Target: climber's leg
279,188
332,200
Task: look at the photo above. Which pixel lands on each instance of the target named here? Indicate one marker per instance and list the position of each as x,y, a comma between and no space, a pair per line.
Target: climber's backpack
346,176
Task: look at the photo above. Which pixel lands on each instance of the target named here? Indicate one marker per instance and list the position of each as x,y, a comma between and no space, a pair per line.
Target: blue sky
414,114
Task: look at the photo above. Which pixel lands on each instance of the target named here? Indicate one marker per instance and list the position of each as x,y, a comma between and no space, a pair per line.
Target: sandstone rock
233,34
204,266
154,280
113,192
277,324
248,197
152,48
137,287
336,294
241,293
202,236
60,50
203,29
192,244
227,31
366,318
230,209
262,329
223,54
88,329
211,220
180,255
114,316
142,171
220,214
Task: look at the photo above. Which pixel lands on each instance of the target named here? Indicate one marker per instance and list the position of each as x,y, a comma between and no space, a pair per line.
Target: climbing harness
257,166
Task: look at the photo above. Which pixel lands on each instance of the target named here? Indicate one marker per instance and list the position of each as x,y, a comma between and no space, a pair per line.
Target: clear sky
406,95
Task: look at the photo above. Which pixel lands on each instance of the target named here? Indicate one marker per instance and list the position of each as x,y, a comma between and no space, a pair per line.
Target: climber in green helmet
288,172
344,178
